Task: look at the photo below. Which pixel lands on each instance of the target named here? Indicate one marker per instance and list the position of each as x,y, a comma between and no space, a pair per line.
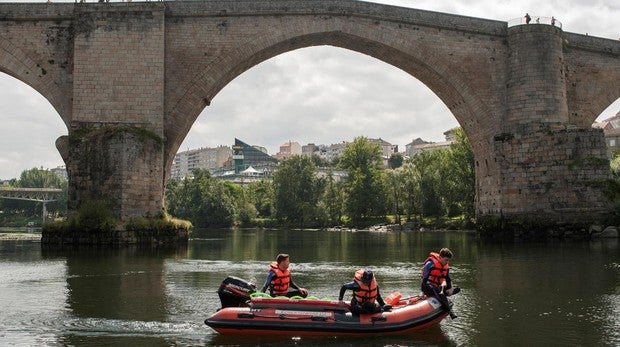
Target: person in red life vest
366,294
436,280
279,279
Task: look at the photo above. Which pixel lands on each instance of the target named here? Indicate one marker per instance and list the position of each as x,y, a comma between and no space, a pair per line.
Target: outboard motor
235,292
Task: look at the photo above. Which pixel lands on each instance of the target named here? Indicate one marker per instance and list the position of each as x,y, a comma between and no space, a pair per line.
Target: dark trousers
429,290
365,307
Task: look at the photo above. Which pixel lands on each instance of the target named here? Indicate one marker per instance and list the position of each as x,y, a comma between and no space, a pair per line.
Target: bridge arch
19,65
427,65
526,95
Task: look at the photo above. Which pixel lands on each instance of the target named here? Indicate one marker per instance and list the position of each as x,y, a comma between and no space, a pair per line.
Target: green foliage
202,199
96,218
160,228
364,187
93,217
427,168
296,191
441,182
395,187
331,202
37,178
246,214
435,184
319,162
260,195
615,167
396,160
461,182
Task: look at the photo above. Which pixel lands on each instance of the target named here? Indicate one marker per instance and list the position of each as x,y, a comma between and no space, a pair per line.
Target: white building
203,158
288,150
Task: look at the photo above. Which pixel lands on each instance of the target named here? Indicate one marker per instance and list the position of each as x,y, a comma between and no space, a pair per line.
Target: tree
615,167
261,196
426,172
461,175
364,187
411,191
396,191
40,178
396,160
296,191
202,199
331,202
319,162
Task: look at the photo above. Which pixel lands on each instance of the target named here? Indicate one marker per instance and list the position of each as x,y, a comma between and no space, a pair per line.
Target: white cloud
321,95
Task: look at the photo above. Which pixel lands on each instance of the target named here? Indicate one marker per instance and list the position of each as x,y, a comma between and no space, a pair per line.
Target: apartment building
202,158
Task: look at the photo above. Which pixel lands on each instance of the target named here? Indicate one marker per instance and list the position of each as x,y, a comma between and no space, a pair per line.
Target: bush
92,217
156,227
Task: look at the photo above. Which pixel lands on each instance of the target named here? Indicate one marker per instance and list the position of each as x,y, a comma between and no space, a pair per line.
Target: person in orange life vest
436,280
366,294
279,279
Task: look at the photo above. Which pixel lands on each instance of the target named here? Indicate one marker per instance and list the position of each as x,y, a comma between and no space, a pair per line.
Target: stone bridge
130,79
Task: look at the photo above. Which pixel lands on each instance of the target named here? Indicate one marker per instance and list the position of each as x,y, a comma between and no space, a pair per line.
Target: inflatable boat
244,313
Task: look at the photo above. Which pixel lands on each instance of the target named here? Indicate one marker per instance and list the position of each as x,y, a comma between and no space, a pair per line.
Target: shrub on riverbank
94,223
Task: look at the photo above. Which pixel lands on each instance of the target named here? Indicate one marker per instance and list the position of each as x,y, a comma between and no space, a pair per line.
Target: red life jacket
367,292
438,272
280,282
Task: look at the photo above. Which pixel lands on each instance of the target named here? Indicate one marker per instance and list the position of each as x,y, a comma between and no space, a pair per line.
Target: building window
612,142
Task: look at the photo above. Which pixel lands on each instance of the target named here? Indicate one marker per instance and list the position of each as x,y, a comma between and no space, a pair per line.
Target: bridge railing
31,194
535,20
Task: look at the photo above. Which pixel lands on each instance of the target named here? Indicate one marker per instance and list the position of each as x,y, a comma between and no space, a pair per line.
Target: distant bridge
43,195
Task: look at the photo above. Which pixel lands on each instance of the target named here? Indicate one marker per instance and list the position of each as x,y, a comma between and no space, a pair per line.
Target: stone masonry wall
119,165
462,59
553,173
536,86
592,65
119,101
525,95
119,65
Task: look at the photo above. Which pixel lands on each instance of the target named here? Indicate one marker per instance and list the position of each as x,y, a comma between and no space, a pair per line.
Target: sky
321,95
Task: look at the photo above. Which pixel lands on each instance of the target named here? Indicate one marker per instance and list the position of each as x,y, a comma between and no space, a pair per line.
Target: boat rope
283,317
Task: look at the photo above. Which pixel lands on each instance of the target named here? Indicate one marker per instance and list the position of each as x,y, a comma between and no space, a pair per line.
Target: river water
559,293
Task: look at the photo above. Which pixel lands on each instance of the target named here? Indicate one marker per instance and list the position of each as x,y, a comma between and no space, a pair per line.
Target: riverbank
12,236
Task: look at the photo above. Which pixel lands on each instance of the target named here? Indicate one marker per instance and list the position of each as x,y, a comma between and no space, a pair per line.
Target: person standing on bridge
528,19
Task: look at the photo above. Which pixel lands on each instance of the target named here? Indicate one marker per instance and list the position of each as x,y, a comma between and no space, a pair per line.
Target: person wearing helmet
366,294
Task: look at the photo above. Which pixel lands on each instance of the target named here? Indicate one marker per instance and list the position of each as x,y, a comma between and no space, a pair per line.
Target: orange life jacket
280,282
438,272
367,292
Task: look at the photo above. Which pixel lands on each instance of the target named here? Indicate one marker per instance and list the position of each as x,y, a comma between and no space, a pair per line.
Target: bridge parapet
347,8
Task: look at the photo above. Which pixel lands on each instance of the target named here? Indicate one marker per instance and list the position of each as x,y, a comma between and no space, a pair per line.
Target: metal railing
42,195
31,194
535,20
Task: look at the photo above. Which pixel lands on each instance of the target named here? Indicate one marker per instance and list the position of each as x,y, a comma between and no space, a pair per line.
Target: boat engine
235,292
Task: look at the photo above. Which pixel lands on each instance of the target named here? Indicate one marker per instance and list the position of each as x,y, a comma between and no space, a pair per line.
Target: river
560,293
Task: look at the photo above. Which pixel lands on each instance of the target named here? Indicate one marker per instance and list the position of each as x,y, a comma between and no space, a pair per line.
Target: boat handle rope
296,297
282,317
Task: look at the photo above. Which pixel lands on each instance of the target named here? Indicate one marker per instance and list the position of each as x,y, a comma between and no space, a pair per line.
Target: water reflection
116,292
557,293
